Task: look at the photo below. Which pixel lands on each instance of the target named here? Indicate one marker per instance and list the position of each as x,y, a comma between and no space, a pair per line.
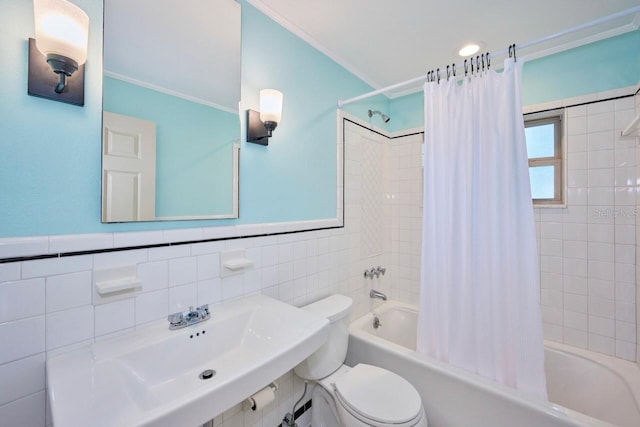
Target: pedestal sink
157,377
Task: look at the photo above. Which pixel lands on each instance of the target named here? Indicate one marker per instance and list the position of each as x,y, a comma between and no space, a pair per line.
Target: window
545,151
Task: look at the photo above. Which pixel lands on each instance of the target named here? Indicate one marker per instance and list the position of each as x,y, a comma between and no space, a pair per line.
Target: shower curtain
480,290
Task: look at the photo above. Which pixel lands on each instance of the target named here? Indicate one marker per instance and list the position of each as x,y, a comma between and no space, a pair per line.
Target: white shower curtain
479,294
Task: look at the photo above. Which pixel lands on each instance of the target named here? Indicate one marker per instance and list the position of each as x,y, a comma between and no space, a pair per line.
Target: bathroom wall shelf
234,261
633,129
111,284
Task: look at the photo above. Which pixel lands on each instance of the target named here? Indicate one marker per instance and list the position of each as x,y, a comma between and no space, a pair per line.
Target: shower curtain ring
438,75
465,68
483,62
478,64
453,66
488,62
448,72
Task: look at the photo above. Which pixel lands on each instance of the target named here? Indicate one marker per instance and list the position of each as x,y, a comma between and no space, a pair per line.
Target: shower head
385,118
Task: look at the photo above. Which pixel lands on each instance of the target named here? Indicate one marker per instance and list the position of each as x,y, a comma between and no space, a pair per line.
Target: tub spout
376,294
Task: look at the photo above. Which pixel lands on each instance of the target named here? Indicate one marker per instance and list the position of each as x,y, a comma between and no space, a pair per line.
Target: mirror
171,128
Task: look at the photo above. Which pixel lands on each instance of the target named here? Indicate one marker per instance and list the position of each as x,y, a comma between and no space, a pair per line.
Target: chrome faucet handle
176,318
381,270
203,311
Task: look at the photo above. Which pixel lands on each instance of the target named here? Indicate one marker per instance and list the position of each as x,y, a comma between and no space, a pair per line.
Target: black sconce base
42,81
256,131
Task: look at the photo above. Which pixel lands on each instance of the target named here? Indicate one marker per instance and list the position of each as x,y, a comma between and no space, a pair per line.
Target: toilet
359,396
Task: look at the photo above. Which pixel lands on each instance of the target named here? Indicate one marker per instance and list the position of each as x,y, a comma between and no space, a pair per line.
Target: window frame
558,161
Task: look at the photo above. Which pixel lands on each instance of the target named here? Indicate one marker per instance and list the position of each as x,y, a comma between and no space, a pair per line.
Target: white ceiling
388,41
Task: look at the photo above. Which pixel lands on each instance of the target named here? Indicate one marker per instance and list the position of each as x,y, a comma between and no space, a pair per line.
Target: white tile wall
587,250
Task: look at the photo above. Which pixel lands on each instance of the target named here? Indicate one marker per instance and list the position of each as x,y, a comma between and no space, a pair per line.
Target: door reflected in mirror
171,127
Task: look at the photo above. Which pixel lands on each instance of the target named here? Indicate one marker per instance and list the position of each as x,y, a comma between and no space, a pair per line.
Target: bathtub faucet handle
368,274
380,270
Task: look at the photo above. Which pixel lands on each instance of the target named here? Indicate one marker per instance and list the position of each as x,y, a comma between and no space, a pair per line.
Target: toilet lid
378,394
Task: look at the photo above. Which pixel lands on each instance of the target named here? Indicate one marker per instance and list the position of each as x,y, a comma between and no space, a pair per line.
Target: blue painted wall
194,148
50,157
604,65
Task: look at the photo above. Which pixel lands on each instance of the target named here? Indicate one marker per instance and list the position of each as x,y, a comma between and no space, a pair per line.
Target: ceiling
384,42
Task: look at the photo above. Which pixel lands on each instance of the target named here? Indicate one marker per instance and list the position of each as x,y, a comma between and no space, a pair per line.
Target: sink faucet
376,294
179,320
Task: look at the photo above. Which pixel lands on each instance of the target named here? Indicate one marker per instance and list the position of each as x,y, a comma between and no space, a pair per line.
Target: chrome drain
207,374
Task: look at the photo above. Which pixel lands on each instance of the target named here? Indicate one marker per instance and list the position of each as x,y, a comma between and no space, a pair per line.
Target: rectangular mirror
171,129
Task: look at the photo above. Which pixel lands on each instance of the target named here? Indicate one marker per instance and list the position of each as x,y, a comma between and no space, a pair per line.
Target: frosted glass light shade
62,28
270,105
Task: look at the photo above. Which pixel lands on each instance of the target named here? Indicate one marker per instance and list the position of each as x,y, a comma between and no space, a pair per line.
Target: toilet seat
378,397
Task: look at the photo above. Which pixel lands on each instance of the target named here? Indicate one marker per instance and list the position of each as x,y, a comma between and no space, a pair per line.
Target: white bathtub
584,388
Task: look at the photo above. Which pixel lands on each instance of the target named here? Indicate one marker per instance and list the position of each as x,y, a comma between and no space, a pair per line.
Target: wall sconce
57,55
260,125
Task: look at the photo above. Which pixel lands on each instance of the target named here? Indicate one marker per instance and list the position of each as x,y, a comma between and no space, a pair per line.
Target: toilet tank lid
333,307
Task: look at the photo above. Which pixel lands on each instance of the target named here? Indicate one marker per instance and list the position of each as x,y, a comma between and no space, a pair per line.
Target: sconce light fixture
57,55
260,124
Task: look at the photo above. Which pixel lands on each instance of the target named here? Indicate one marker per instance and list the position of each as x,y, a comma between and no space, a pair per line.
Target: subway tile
255,255
68,291
626,350
625,292
151,306
20,299
551,230
137,238
625,273
28,411
625,253
209,291
625,312
232,287
206,248
184,296
576,285
577,143
601,159
602,344
153,275
600,107
208,266
604,177
601,288
578,178
80,242
602,307
625,234
601,196
115,316
52,266
601,140
577,161
623,118
625,157
576,338
601,251
182,271
551,298
601,214
574,320
575,249
22,338
552,331
602,270
69,326
270,255
575,303
577,196
625,331
600,122
269,276
603,233
574,231
575,214
22,378
575,267
577,125
23,246
120,258
9,271
602,326
183,235
552,315
168,252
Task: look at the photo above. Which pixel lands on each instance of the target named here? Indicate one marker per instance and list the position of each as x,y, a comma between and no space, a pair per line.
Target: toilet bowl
359,396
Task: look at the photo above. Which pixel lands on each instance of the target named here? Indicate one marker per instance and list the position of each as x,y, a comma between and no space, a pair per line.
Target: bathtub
584,388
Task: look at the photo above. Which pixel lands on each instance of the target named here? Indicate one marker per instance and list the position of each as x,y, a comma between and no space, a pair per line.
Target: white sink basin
151,377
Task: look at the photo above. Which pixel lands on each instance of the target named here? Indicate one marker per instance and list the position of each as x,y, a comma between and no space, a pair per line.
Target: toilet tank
331,355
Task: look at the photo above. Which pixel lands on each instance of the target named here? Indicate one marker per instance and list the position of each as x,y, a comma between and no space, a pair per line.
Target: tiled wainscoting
588,249
47,305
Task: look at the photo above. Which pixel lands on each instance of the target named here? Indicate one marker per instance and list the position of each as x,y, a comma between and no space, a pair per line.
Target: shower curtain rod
635,9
